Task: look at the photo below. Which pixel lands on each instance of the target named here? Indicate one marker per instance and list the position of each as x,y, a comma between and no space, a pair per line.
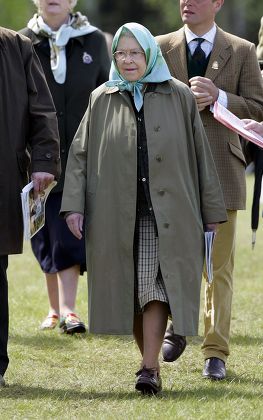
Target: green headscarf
156,71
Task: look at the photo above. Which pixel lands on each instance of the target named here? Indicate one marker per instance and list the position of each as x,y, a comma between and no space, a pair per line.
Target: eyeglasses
196,1
134,55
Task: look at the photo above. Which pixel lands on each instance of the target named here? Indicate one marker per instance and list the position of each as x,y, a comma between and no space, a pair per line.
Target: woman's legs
67,286
149,327
149,330
138,331
62,290
154,324
53,295
51,320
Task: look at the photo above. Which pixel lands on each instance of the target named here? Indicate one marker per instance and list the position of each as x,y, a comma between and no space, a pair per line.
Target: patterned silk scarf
78,25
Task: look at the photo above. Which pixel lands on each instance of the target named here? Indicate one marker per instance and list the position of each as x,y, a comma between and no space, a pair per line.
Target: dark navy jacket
88,66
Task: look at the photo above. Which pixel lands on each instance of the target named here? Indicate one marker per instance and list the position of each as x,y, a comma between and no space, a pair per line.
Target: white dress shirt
207,46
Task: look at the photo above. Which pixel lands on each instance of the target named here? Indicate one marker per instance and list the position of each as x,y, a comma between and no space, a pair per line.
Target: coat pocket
237,152
90,199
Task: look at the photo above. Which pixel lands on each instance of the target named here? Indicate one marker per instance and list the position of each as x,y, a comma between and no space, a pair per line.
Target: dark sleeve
43,130
104,61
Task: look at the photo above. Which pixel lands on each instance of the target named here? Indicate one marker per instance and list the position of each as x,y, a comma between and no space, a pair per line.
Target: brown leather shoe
214,369
173,345
148,381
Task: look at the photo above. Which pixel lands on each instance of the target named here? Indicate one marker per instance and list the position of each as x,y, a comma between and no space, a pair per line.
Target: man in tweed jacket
233,78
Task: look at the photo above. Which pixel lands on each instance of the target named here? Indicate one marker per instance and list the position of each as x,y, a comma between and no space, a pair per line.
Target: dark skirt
149,283
54,246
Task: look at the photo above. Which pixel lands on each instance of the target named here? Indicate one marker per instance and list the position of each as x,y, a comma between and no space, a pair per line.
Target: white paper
234,123
34,209
209,242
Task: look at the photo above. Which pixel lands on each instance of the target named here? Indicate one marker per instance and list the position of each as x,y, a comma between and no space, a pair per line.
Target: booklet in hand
234,123
33,209
209,242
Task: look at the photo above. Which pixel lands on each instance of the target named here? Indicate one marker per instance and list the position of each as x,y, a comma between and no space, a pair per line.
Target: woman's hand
75,224
211,227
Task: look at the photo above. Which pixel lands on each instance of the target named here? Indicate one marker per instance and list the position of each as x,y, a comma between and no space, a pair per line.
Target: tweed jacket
88,66
29,132
101,181
232,67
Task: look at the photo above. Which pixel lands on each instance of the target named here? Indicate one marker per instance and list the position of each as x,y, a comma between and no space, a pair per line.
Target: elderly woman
75,61
141,173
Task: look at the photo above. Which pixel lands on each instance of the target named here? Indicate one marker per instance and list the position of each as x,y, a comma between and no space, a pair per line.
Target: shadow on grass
51,339
242,379
241,340
220,392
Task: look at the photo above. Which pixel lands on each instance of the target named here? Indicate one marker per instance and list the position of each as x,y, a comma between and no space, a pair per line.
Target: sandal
49,323
71,324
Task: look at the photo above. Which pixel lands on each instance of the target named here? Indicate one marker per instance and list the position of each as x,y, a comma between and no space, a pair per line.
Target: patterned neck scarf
156,71
77,25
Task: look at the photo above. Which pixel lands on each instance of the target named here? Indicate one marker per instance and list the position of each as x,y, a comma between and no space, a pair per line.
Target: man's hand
75,224
41,181
204,90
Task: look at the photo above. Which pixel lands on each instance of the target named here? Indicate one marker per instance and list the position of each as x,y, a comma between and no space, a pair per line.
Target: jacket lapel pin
87,58
215,65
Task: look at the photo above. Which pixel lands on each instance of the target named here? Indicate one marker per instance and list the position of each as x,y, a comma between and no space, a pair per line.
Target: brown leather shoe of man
148,381
173,345
214,369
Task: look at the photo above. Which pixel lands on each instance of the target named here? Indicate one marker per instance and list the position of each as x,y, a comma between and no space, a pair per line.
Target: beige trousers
218,294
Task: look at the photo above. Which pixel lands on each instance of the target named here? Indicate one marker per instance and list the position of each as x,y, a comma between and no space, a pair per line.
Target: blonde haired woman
75,61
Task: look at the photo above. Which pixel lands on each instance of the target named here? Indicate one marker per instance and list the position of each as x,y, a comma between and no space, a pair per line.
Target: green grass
52,376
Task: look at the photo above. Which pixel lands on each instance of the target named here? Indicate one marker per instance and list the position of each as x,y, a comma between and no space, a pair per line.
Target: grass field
52,376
